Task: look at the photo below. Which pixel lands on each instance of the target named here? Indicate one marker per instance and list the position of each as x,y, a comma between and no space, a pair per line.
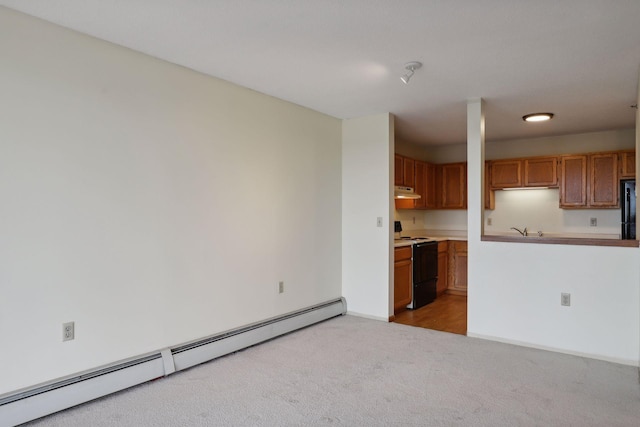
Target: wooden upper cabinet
398,170
404,171
489,193
521,173
409,172
627,164
603,180
506,173
440,186
431,182
449,185
454,186
541,172
423,177
423,184
589,181
420,184
573,183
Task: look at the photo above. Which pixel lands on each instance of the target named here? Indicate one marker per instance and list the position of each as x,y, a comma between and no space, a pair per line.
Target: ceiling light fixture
411,67
537,117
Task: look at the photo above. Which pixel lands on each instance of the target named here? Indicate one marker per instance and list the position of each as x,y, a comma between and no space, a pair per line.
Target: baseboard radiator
35,402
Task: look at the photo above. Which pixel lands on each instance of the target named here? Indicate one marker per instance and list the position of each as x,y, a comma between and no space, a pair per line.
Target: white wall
150,204
367,156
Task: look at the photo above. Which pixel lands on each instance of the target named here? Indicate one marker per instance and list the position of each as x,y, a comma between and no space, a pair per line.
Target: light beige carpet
358,372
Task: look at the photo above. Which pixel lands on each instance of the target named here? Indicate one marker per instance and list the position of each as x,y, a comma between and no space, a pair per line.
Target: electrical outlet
489,222
414,219
68,331
280,287
565,299
593,222
379,222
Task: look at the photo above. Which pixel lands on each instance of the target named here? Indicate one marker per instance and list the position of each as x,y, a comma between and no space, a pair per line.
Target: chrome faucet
523,232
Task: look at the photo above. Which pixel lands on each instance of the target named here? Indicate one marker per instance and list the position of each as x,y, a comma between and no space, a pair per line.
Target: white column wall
367,253
475,171
475,201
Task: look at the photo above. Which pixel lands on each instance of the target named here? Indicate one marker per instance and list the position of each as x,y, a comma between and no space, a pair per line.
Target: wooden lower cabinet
443,270
401,277
457,280
452,272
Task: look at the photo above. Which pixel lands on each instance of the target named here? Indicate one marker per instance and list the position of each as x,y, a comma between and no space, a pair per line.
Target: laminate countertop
548,238
400,243
562,240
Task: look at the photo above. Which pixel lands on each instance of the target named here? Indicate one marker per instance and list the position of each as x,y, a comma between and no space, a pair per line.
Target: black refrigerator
628,208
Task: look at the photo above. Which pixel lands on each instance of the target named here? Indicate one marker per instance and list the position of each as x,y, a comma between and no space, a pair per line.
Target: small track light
411,67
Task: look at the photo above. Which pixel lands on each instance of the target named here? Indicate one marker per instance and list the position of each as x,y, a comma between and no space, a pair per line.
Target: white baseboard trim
38,401
30,404
368,316
619,361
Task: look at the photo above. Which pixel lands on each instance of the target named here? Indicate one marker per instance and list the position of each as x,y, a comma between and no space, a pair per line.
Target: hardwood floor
447,313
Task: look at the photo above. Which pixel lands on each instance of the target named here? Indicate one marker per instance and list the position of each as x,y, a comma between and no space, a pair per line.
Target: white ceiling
576,58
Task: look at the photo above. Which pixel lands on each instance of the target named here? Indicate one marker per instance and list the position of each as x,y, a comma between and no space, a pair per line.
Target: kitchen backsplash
538,211
535,209
432,219
410,220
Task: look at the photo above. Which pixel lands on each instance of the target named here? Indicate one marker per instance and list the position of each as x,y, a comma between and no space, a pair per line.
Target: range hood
405,193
